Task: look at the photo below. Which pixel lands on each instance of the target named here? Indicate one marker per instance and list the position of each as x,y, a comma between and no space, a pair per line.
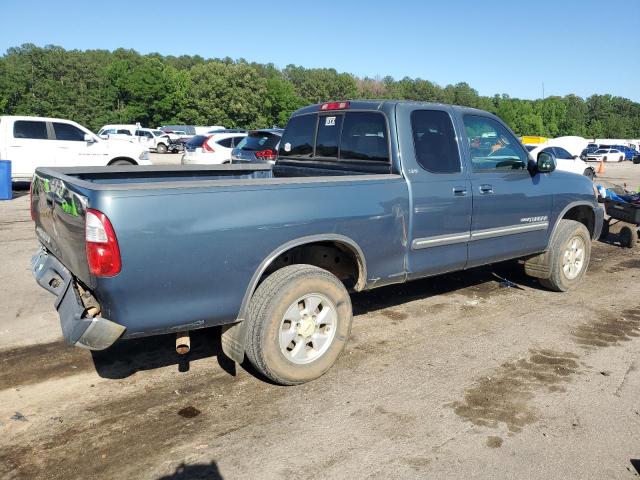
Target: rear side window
196,141
434,141
65,131
298,137
30,129
225,142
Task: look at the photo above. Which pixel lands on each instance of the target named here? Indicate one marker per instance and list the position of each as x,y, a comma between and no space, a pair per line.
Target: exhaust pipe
183,343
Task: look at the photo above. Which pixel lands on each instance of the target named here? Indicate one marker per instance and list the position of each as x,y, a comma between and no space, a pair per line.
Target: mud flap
232,340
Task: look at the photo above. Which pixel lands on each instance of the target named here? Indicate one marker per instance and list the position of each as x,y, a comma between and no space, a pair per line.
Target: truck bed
192,238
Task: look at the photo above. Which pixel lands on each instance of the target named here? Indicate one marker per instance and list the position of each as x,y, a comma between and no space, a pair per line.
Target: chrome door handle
486,189
459,191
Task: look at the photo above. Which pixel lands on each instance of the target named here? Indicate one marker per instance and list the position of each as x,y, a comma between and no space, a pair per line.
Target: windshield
259,141
530,147
157,133
602,151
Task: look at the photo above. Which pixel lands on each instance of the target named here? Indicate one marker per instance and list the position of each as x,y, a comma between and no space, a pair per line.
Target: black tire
628,236
636,160
563,236
620,159
121,162
604,233
161,148
266,312
589,173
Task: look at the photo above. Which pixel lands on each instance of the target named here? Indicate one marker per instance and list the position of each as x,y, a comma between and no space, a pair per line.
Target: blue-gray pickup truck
363,194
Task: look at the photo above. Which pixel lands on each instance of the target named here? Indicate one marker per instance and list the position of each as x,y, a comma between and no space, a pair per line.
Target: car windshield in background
602,151
259,141
196,141
530,147
158,133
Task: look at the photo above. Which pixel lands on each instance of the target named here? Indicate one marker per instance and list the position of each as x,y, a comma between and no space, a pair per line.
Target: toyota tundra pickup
363,194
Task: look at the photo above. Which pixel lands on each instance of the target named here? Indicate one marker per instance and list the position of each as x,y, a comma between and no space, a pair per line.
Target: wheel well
583,214
338,258
126,159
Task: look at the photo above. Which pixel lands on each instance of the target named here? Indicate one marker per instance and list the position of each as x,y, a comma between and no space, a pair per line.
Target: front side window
67,132
30,129
492,146
298,137
434,141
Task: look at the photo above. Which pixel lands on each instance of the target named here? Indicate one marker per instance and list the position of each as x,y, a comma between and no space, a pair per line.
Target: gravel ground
455,376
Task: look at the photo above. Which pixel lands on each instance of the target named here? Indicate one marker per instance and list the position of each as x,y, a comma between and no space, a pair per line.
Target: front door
29,147
511,207
440,191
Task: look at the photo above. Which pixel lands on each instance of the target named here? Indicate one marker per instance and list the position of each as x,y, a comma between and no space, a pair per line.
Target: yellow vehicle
532,140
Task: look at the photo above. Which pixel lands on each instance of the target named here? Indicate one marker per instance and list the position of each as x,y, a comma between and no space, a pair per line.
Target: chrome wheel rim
573,259
308,328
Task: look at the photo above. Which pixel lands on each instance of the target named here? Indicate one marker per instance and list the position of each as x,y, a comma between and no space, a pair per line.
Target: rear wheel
299,320
628,236
121,161
568,256
620,159
161,148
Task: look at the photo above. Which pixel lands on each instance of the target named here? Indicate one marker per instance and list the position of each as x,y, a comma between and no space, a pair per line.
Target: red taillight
267,154
206,147
103,253
31,209
334,106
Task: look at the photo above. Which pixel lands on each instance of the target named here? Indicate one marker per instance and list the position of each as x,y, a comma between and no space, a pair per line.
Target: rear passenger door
440,191
511,206
29,147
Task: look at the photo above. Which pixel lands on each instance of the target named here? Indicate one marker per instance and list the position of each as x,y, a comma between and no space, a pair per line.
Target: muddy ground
453,377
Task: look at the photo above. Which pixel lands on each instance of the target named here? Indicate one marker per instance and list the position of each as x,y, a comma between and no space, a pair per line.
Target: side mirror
546,163
575,157
89,138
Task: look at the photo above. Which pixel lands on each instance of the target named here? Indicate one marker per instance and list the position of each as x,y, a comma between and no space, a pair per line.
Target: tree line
97,87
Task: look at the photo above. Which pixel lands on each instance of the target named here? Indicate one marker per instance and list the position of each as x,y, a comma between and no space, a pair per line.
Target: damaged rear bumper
78,328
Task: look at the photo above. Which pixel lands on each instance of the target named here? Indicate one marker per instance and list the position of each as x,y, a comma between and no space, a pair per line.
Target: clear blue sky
497,46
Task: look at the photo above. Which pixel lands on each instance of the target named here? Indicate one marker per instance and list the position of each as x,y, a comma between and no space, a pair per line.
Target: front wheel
299,320
568,256
629,236
161,148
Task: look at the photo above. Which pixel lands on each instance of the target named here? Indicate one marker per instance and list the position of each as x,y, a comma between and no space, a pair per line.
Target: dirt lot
452,377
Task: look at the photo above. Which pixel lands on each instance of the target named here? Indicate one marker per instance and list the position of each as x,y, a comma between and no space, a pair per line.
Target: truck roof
29,117
380,104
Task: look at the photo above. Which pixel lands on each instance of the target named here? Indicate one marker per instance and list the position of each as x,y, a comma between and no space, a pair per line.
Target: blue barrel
5,180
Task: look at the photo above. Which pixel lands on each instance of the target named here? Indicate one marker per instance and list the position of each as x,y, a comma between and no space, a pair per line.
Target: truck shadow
127,357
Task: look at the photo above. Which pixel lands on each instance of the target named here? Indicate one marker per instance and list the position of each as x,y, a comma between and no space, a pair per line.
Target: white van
31,142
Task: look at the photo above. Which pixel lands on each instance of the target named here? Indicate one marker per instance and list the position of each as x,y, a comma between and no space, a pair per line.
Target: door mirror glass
546,163
89,138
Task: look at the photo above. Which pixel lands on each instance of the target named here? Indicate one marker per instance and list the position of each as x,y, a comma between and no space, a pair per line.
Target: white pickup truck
31,142
154,139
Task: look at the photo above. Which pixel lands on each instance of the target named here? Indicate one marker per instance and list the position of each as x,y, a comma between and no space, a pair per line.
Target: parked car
628,152
117,132
215,149
363,194
591,148
154,140
259,146
606,155
565,161
31,142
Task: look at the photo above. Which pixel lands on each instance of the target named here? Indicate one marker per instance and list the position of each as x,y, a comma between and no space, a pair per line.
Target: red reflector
206,147
334,106
267,154
103,253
